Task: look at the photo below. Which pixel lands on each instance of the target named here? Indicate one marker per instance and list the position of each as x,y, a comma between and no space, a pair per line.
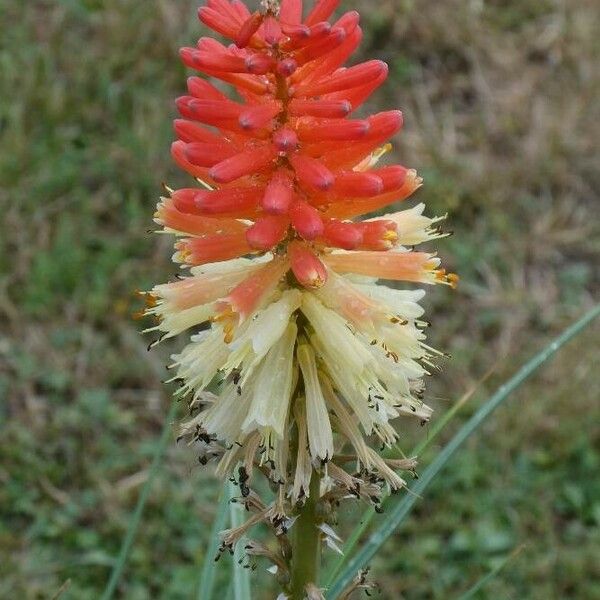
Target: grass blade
369,514
136,517
398,512
493,573
241,576
209,568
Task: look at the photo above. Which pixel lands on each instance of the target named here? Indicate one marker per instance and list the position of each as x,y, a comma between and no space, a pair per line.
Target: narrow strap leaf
487,578
136,517
402,507
209,568
369,513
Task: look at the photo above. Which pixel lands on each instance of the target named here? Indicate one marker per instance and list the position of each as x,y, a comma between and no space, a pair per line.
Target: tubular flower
299,354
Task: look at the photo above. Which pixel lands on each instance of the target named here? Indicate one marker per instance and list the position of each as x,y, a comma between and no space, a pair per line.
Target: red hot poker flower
280,268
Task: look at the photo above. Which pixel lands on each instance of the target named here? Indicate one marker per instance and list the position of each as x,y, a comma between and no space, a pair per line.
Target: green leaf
399,509
369,513
493,573
241,576
209,568
136,517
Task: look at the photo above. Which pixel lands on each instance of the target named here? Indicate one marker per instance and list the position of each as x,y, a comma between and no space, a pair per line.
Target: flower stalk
306,548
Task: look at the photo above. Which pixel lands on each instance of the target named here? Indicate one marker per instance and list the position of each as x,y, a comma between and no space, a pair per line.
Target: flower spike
308,356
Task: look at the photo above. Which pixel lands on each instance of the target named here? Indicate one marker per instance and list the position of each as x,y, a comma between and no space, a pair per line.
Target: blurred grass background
503,121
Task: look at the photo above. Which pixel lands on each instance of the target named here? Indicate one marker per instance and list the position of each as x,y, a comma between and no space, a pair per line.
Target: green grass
500,119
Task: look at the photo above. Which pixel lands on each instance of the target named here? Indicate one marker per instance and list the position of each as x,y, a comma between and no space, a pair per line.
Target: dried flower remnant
300,358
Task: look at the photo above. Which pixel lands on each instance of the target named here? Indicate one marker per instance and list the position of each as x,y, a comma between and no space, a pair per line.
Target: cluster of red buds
288,156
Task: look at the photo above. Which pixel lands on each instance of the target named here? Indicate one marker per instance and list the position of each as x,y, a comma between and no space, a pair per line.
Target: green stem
306,544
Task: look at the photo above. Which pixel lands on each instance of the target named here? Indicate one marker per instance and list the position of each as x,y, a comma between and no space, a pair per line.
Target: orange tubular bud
306,220
398,266
335,109
286,67
171,217
316,49
200,88
279,194
319,31
385,124
248,29
333,61
267,232
230,12
246,298
296,33
312,172
392,177
259,64
238,201
306,266
212,111
290,11
214,61
272,31
259,116
184,200
191,132
285,139
338,130
312,35
244,163
343,80
340,234
378,235
211,18
356,184
204,154
358,95
178,154
322,10
212,248
246,83
348,22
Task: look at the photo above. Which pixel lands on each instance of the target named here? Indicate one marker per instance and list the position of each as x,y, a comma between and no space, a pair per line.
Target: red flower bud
312,172
343,235
267,232
258,116
306,220
241,164
272,31
306,266
357,184
378,235
205,154
343,80
248,29
285,139
322,10
239,201
290,11
279,194
286,67
329,109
